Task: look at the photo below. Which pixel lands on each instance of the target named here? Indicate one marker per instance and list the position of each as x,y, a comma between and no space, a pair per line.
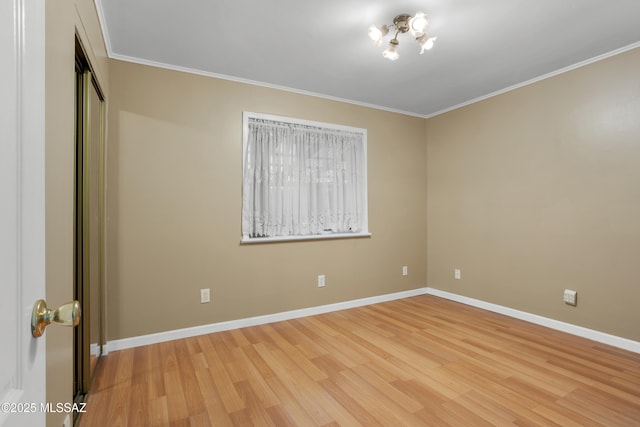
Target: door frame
22,49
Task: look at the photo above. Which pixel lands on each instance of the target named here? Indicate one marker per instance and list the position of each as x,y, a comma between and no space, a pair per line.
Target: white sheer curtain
302,180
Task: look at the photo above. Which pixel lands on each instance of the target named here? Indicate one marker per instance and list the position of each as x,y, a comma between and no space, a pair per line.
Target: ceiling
322,48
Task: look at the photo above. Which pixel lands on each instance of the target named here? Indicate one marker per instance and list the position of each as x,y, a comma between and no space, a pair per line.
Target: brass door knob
66,315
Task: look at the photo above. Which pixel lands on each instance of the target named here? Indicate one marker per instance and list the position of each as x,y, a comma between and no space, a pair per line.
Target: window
302,180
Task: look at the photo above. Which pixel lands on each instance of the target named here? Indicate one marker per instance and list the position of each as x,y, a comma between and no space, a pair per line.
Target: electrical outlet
570,297
321,280
205,296
457,274
405,270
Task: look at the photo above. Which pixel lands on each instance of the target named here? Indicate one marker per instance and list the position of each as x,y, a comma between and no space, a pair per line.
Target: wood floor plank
187,371
217,414
200,420
280,418
352,386
603,413
302,342
255,381
348,400
488,409
176,399
329,365
255,409
405,401
222,381
291,405
420,361
138,407
341,349
564,417
454,412
308,392
295,355
158,414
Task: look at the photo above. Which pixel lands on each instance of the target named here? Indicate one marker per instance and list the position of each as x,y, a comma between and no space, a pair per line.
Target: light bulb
418,24
425,43
377,34
391,53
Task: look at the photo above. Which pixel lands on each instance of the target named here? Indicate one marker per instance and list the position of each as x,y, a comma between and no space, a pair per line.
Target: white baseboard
601,337
94,349
125,343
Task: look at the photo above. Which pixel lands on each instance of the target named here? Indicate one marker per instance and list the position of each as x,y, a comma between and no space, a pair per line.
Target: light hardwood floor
420,361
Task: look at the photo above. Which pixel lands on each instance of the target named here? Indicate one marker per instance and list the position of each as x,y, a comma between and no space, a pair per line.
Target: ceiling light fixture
417,25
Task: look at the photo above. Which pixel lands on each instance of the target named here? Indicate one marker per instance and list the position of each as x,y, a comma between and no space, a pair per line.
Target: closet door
89,226
93,237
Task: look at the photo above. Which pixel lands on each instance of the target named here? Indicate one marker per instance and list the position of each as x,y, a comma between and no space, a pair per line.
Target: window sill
252,240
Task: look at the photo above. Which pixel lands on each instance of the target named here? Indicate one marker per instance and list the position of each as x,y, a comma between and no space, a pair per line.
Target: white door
22,256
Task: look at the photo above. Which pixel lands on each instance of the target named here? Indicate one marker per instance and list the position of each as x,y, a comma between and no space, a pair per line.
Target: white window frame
246,116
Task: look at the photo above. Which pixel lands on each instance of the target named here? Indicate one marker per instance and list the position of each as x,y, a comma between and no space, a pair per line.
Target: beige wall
63,19
174,206
528,193
538,190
